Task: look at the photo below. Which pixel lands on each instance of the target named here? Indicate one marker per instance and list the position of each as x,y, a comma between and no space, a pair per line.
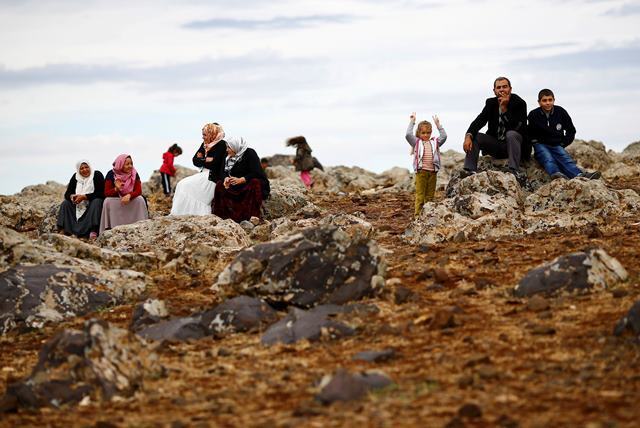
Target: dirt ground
550,364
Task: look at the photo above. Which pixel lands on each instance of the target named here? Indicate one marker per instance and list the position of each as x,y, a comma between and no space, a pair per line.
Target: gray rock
149,312
344,386
590,155
34,295
154,185
317,265
32,208
175,330
631,321
100,362
240,314
577,271
308,325
375,356
285,199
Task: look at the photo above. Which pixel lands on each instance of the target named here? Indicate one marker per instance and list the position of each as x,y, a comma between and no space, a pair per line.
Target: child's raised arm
442,134
411,139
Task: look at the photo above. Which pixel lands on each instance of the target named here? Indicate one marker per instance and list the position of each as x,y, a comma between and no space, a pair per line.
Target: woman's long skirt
193,195
87,223
238,202
115,214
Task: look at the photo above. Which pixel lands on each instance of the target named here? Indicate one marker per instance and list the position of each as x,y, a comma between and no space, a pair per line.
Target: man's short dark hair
546,93
501,78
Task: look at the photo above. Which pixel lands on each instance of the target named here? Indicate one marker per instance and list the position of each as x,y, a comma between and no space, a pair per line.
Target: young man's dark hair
545,93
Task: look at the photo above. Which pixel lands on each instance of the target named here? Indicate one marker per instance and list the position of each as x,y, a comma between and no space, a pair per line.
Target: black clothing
98,186
514,119
87,223
555,130
248,167
218,153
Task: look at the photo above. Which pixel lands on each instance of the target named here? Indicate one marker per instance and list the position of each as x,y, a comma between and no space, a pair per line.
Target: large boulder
285,199
195,241
580,271
317,265
354,179
355,226
32,296
286,176
33,208
623,170
100,362
590,155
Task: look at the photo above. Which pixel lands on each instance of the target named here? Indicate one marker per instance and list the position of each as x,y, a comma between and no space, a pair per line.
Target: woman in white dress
194,194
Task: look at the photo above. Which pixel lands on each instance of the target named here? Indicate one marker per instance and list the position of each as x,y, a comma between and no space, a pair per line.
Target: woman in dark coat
80,211
242,186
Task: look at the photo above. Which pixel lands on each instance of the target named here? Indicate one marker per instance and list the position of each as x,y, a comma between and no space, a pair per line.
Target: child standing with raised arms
426,158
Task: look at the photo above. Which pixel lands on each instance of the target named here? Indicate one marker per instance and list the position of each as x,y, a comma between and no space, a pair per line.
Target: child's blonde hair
421,124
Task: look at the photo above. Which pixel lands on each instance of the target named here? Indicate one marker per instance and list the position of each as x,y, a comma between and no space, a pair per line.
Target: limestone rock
317,265
353,225
284,200
149,312
27,210
286,176
101,362
580,271
34,295
623,170
590,155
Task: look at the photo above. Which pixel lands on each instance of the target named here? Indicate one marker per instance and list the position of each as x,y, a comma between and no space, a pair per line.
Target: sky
90,79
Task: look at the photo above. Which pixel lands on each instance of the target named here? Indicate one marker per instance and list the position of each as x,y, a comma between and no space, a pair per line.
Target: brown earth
546,362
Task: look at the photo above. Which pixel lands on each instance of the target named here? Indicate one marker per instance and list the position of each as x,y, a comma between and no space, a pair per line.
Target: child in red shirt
167,169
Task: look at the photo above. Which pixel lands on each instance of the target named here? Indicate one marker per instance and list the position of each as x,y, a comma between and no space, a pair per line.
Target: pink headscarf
128,179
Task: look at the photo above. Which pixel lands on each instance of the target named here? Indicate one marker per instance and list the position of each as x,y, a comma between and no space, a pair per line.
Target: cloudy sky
93,79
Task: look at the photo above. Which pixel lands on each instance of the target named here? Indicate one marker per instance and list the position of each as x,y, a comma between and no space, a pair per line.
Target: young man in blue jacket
551,130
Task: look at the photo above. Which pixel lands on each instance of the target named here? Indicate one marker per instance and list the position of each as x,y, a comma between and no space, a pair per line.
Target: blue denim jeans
555,159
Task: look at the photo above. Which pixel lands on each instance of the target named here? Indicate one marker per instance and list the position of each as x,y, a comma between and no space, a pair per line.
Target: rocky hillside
500,305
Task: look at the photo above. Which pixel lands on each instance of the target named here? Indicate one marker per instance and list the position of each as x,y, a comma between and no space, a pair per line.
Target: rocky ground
452,343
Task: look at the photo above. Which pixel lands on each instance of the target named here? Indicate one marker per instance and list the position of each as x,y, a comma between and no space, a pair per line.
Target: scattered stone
542,330
240,314
344,386
619,292
375,356
310,325
403,295
318,265
149,312
101,361
175,330
631,321
470,410
538,304
577,271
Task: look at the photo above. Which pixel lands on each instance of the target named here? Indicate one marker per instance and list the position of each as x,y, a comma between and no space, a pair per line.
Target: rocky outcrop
355,226
286,176
34,295
317,265
581,271
100,362
491,205
198,242
590,155
33,208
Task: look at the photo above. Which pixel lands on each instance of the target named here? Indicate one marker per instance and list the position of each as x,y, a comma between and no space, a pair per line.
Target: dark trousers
511,149
166,183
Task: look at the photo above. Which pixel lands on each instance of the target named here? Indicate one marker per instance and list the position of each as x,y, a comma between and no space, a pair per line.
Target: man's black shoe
590,175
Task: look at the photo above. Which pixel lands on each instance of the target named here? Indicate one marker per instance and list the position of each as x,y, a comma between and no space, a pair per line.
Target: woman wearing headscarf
80,211
124,203
194,194
243,185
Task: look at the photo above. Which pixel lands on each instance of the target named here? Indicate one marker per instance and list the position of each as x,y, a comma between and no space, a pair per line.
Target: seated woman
80,211
124,203
243,184
193,195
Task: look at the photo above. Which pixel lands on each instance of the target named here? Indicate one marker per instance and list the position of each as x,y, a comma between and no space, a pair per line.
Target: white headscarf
84,186
239,146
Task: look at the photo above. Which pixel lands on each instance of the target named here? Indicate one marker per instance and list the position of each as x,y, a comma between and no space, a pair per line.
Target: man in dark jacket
551,130
506,115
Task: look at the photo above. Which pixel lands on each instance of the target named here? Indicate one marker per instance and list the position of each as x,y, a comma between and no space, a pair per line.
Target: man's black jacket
515,118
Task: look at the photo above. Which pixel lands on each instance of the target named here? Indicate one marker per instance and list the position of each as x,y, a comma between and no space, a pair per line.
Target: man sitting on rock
551,130
506,114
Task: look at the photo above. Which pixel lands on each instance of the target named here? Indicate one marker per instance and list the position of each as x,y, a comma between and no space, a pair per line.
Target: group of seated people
231,184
